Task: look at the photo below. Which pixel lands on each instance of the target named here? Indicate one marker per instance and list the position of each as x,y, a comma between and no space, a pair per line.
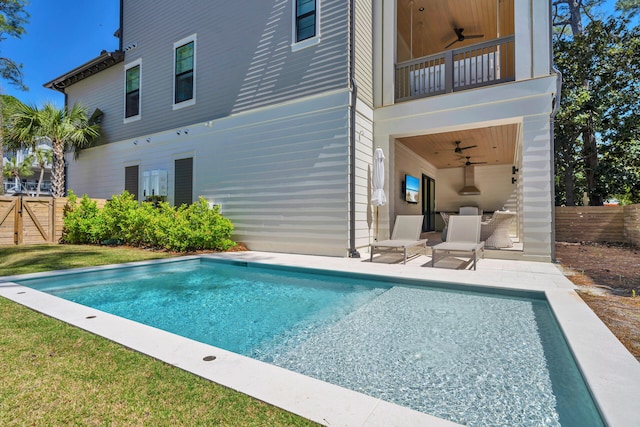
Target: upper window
132,91
305,22
185,69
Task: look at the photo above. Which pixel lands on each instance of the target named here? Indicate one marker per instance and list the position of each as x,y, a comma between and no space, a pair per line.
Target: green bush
154,225
82,222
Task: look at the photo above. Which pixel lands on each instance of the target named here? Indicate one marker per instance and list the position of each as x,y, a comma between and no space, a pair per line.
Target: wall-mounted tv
411,188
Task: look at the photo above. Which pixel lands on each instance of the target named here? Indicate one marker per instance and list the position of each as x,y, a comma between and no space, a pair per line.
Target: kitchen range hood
469,188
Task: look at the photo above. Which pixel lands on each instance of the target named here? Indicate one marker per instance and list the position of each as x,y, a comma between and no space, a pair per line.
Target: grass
52,373
32,259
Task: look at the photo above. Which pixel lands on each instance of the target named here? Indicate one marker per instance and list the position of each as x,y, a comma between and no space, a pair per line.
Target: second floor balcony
445,46
473,66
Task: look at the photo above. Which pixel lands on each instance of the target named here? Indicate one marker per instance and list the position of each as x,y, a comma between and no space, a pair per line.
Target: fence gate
26,220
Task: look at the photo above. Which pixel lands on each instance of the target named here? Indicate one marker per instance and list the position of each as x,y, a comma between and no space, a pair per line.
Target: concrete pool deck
612,373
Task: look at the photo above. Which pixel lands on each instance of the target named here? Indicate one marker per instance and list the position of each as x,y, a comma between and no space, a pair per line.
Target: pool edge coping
612,374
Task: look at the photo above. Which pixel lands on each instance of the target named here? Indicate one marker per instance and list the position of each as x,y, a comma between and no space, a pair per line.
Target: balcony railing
482,64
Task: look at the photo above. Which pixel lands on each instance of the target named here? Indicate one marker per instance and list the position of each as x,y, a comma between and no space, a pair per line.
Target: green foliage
159,225
82,221
13,18
66,128
597,136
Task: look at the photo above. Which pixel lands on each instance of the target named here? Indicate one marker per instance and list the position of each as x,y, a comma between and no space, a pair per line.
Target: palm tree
42,157
65,128
15,170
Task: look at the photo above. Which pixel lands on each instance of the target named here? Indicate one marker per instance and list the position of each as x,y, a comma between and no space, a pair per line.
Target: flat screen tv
411,188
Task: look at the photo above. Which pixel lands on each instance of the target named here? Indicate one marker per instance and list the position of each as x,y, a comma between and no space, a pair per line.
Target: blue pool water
473,358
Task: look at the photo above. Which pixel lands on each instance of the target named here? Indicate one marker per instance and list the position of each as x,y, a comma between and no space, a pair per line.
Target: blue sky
61,35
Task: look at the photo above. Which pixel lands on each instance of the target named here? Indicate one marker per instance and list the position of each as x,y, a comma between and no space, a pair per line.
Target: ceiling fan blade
459,149
451,44
469,162
474,36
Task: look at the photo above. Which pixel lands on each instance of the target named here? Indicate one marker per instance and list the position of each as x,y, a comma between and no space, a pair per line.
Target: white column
523,38
537,178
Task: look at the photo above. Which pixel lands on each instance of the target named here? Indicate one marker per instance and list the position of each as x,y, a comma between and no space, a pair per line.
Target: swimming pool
470,357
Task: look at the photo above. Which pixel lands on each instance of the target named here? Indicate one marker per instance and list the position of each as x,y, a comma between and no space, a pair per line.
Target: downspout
353,252
121,22
554,112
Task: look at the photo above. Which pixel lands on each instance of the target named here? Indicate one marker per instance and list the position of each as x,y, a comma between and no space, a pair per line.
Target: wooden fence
34,220
30,220
619,224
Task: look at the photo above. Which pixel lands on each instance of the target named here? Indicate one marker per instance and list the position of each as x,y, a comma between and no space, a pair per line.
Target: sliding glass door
428,203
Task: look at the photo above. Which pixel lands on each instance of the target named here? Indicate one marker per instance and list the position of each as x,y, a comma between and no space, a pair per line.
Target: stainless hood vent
469,188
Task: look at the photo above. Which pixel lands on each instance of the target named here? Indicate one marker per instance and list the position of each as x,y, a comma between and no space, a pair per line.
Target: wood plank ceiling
494,145
427,26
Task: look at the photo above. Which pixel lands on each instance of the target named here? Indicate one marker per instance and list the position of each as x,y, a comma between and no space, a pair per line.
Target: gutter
93,66
353,252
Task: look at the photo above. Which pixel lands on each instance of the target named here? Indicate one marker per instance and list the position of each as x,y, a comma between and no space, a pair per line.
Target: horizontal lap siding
104,91
243,61
280,175
284,183
364,51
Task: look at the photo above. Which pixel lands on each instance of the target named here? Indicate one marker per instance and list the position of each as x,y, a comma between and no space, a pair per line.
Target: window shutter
183,188
131,180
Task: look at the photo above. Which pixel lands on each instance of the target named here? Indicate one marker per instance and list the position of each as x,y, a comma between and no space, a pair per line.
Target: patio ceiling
433,25
496,145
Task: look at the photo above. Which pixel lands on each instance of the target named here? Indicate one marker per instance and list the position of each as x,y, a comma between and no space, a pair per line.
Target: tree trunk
40,180
575,18
590,149
569,185
57,174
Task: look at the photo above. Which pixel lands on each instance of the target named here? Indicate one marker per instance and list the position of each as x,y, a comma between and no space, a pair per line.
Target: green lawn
54,374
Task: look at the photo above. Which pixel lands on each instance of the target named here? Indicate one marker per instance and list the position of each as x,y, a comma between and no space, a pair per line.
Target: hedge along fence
32,220
620,224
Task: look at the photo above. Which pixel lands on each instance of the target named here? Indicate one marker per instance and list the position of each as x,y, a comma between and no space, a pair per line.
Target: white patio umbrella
378,198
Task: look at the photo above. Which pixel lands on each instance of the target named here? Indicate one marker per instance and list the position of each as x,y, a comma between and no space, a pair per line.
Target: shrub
155,225
82,222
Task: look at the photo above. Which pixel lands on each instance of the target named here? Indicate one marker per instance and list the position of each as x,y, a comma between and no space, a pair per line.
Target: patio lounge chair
406,234
463,236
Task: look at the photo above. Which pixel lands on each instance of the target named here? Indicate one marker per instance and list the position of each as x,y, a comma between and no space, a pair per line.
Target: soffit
495,145
433,26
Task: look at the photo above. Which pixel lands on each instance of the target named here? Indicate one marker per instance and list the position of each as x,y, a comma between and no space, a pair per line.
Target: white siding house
275,114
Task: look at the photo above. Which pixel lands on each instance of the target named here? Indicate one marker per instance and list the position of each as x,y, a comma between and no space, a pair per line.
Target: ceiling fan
469,162
462,37
460,149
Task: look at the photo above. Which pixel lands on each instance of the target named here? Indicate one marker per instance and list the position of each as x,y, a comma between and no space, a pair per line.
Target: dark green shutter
183,181
131,180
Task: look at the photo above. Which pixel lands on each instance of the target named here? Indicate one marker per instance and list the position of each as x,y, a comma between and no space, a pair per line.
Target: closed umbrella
378,198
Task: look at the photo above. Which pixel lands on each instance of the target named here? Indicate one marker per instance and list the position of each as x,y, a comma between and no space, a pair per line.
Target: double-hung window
132,91
305,22
184,72
305,19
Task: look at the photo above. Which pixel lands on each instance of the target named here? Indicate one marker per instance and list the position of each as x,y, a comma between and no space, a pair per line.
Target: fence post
18,222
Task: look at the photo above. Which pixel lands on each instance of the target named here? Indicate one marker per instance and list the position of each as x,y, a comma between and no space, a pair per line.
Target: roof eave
102,62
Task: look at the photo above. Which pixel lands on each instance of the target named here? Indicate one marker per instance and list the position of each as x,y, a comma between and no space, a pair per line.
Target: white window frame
312,41
176,45
136,63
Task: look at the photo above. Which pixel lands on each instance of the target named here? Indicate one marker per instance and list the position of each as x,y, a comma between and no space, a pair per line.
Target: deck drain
22,292
209,358
90,317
